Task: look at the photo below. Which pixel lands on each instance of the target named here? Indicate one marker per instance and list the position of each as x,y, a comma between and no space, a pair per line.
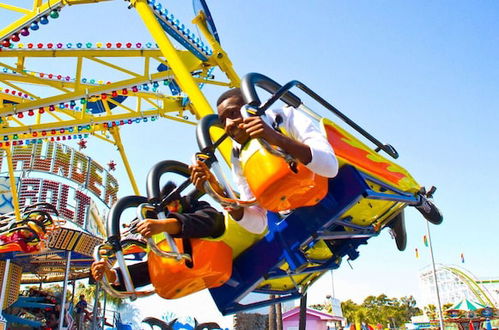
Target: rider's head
229,111
174,205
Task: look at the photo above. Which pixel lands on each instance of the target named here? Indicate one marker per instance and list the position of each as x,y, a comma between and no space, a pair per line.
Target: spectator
81,311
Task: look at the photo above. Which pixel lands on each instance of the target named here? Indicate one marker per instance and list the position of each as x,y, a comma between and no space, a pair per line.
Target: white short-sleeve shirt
301,128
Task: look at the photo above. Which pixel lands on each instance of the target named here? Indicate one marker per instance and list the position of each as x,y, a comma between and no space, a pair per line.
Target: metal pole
272,323
4,288
13,187
278,315
103,324
73,293
303,313
63,302
441,318
332,283
95,310
121,149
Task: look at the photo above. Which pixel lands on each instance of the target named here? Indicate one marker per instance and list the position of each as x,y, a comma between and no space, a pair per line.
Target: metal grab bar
251,80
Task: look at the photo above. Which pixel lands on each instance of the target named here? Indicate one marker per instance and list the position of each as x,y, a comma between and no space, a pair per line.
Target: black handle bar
251,80
113,223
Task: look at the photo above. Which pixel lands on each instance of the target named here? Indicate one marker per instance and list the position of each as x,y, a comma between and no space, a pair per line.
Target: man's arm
306,143
198,219
257,128
139,273
200,173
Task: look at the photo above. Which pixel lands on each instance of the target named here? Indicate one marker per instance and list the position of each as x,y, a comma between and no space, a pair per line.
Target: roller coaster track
481,293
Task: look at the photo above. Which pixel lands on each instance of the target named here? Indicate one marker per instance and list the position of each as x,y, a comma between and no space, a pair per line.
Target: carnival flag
425,240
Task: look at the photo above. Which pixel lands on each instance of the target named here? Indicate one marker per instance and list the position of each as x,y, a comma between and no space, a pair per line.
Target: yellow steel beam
91,52
29,79
190,63
147,61
116,135
122,106
180,70
118,68
79,94
99,136
12,98
155,105
79,65
181,120
220,57
14,8
13,187
172,107
36,4
213,82
19,89
30,16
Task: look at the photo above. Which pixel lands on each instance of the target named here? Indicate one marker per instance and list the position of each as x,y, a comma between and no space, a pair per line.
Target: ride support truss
35,105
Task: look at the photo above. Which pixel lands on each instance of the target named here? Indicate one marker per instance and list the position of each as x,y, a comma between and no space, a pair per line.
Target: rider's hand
150,227
200,173
101,267
255,127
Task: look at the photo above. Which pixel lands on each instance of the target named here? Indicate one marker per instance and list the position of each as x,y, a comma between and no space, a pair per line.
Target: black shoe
397,226
430,211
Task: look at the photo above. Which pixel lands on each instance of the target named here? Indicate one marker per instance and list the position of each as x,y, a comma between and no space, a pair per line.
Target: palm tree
89,292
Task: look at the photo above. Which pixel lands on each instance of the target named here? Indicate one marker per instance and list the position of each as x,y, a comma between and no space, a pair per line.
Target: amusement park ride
369,193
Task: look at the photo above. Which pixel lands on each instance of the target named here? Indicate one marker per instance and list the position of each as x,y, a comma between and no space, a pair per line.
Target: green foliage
431,311
89,292
381,309
326,308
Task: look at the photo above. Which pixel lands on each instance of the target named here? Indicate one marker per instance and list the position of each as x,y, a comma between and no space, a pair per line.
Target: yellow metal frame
181,65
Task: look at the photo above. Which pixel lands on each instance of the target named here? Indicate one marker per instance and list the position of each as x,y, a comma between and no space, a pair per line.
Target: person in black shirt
187,218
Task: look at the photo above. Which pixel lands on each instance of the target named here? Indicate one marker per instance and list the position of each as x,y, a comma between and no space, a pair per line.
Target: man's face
229,112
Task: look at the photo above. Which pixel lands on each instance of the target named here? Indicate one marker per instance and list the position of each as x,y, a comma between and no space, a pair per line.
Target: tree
381,309
350,309
89,292
431,311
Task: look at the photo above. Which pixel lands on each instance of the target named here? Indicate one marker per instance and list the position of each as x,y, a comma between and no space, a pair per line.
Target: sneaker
429,211
397,225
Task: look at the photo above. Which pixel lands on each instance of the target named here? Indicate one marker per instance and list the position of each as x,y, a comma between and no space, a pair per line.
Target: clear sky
421,75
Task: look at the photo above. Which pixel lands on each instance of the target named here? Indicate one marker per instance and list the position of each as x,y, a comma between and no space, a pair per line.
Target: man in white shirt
305,143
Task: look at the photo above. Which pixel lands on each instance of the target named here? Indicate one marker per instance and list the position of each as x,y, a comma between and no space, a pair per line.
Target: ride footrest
282,253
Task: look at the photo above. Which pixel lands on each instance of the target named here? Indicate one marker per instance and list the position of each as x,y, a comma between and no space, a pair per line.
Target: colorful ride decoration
57,216
85,180
466,312
31,232
13,283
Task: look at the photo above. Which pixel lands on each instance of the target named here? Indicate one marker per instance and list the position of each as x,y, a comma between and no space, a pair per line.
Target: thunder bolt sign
83,177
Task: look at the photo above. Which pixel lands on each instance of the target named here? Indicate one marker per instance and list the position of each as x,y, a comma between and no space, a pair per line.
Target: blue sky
421,75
